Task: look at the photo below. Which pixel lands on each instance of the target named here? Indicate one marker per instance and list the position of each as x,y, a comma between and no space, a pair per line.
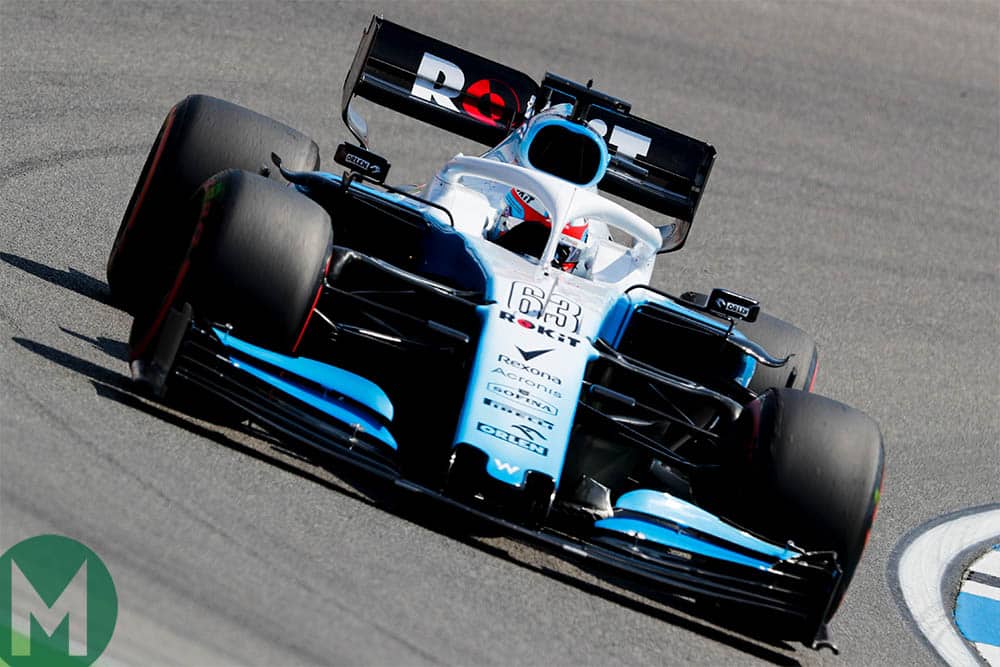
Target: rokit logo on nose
541,329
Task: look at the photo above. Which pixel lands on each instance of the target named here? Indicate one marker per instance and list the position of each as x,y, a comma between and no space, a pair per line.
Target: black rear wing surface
477,98
438,83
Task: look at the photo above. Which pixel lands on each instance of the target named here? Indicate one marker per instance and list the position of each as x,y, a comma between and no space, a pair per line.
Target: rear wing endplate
477,98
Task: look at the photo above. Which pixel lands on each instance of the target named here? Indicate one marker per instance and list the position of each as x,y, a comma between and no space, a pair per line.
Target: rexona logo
58,604
541,329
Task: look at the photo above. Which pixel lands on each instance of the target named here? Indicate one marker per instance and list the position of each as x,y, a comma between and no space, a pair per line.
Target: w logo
503,466
58,605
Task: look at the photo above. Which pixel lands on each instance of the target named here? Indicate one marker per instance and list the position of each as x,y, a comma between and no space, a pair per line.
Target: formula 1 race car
490,339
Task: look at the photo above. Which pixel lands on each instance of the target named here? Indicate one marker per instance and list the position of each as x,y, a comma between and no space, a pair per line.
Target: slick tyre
815,475
200,136
258,258
781,339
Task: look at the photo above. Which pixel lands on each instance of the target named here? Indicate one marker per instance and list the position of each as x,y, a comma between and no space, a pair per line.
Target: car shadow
713,623
70,279
119,388
113,348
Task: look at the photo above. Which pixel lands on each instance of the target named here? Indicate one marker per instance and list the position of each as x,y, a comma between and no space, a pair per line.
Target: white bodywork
535,347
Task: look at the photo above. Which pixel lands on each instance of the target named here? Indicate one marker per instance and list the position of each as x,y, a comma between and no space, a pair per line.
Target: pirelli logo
520,414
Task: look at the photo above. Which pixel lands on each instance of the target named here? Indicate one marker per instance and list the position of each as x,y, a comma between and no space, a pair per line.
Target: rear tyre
200,136
815,475
782,339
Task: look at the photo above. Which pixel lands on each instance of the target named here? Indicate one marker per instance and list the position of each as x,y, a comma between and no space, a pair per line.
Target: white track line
982,590
990,652
921,570
988,564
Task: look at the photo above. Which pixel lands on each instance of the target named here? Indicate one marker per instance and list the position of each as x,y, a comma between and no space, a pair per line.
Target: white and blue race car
490,339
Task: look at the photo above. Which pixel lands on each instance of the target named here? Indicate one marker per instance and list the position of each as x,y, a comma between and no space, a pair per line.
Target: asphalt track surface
856,193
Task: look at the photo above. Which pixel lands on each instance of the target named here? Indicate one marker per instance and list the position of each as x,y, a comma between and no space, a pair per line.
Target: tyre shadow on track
71,279
718,625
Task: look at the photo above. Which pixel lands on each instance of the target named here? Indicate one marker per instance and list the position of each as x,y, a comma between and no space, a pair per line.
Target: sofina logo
58,605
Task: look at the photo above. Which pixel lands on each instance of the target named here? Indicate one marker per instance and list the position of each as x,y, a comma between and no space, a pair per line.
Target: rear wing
438,83
651,165
477,98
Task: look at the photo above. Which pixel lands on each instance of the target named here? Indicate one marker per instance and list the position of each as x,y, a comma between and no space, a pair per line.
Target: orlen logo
512,439
355,160
508,316
490,101
363,164
731,307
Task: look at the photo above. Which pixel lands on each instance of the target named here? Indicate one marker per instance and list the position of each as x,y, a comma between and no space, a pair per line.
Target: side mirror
364,162
724,303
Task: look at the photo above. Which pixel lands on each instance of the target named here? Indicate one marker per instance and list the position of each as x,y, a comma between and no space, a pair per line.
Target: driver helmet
575,250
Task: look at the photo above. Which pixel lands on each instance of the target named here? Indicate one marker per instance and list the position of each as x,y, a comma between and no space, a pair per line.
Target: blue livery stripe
669,538
978,618
673,509
340,410
331,378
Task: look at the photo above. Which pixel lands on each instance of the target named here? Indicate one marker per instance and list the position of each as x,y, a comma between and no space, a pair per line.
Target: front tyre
200,136
255,262
814,476
262,258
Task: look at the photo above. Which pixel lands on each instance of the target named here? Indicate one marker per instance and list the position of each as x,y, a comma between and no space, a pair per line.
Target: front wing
798,590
